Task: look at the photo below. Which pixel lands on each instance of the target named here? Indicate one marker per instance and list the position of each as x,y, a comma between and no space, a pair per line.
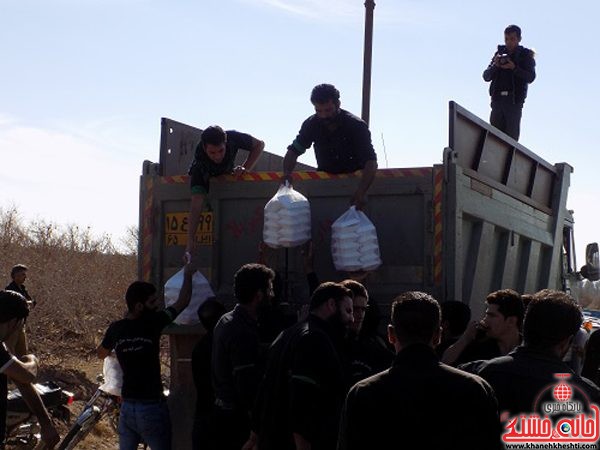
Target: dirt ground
80,379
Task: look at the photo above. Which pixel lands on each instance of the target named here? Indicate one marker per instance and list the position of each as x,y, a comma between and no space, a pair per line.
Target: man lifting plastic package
342,142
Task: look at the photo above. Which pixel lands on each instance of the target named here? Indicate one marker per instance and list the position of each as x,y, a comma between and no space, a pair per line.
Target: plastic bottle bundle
287,219
354,243
201,290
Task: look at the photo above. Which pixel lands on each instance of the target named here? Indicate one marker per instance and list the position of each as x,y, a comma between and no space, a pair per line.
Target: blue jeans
144,422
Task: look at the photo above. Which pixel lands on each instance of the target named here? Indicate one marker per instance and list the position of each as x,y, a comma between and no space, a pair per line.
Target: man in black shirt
17,343
511,70
301,394
236,362
136,341
22,371
342,142
419,402
497,334
215,155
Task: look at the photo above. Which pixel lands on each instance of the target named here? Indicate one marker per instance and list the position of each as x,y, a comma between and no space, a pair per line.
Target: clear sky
84,84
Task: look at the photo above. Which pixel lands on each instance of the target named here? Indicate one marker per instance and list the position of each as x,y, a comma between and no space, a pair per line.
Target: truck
491,215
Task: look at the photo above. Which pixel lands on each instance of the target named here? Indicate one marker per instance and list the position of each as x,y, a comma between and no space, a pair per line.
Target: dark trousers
506,116
203,437
231,429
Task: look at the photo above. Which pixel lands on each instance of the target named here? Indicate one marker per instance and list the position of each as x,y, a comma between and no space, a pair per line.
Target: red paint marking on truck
249,227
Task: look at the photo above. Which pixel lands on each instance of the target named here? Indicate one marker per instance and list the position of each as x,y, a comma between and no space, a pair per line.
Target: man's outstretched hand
359,200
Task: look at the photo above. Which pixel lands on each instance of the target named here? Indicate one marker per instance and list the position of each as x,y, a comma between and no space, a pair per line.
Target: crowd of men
328,381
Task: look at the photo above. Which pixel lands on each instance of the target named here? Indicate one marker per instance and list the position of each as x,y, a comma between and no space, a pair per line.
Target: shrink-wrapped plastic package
287,219
201,290
354,243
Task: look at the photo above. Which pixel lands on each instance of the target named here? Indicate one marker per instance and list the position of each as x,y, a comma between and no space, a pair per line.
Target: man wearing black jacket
17,343
512,68
236,361
302,392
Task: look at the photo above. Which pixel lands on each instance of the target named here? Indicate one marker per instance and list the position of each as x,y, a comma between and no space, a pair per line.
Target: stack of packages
287,219
354,243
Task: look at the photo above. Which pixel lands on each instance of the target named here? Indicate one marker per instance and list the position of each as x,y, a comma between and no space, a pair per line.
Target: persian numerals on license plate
176,229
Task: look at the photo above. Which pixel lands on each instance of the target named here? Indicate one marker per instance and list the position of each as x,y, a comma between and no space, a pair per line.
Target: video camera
503,56
503,59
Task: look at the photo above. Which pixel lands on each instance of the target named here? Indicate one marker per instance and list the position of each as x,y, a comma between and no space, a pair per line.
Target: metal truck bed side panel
504,212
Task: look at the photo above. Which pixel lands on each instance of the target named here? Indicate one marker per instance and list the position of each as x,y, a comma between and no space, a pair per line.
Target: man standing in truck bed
341,140
511,70
215,155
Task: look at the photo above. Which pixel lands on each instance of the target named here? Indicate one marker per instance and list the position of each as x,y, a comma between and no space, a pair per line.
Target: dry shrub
77,279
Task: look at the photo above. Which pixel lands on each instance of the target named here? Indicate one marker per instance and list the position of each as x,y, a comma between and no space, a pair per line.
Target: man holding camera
511,70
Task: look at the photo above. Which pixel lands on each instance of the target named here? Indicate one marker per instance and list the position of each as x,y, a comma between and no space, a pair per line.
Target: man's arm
368,175
526,69
453,353
196,204
312,363
185,294
108,342
492,69
102,352
348,426
244,359
22,370
36,406
303,141
289,162
23,373
257,149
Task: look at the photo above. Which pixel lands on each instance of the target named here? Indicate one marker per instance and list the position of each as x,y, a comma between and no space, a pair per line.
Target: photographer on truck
512,68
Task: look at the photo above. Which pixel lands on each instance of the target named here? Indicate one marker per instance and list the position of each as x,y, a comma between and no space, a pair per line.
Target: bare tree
131,239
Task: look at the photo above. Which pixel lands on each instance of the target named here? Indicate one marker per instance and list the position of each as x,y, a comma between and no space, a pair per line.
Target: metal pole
368,54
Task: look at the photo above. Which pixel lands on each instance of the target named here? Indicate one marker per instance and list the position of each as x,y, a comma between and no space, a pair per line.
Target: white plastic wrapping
287,219
354,244
113,376
201,290
586,292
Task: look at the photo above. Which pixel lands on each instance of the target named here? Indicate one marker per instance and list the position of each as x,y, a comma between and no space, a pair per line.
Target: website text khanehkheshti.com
552,445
